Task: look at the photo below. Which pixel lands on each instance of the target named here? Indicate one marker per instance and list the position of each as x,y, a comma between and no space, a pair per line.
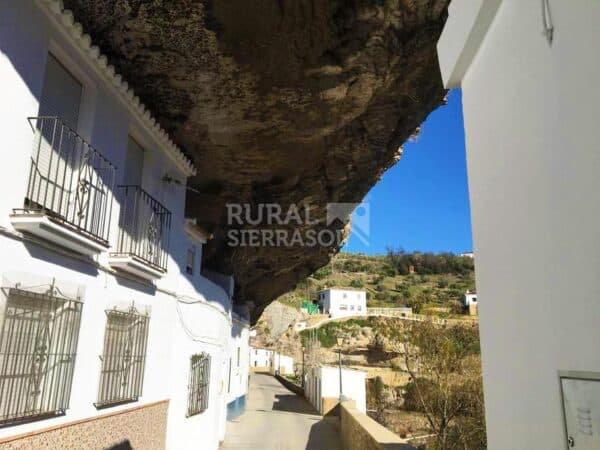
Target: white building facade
282,364
342,302
238,368
106,318
529,74
322,387
261,358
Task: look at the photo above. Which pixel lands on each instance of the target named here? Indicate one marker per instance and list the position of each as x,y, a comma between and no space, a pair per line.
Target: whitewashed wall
282,364
531,121
325,382
236,384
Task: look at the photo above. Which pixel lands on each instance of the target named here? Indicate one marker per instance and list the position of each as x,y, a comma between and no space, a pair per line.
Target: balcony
144,234
69,194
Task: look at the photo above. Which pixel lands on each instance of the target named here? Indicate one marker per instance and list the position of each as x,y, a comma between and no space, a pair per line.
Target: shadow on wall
124,445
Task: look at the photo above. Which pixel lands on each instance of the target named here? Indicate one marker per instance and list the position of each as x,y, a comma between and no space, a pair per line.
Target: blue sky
422,203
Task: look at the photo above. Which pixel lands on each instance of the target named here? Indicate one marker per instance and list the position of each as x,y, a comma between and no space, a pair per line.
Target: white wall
531,121
325,382
282,364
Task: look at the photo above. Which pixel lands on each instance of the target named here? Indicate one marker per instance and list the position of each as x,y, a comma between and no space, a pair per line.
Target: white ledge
135,266
40,225
468,23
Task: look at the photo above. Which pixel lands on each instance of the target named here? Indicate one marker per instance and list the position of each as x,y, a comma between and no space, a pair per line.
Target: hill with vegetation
429,283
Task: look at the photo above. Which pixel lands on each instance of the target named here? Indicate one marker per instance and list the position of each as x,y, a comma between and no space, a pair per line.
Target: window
134,163
343,307
344,295
37,355
191,256
123,357
198,385
351,307
359,308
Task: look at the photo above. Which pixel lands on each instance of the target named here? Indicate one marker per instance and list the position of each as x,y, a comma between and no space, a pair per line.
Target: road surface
277,419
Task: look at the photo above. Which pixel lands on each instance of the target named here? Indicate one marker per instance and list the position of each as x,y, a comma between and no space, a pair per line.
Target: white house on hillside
470,298
109,332
342,302
529,74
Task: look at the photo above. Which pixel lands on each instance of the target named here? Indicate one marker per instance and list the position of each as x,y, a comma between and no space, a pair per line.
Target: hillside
436,286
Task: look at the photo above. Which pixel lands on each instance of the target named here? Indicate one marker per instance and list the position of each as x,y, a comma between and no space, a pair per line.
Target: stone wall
141,427
360,432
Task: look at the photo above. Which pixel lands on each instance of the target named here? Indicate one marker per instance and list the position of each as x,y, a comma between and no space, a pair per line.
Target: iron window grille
37,354
144,227
198,384
69,180
123,357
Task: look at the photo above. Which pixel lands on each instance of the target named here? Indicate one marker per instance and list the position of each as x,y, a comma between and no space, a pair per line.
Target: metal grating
144,227
199,383
69,180
37,355
123,358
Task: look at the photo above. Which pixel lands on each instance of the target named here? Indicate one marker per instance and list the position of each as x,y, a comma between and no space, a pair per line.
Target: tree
446,386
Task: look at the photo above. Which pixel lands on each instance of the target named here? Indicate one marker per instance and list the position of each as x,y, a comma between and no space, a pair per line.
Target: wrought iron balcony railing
69,180
144,227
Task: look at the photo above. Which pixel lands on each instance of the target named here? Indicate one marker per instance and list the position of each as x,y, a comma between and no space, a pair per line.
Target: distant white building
343,302
282,364
470,298
322,387
299,326
467,254
261,358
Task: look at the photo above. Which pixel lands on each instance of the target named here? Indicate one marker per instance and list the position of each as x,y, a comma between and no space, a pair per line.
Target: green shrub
357,283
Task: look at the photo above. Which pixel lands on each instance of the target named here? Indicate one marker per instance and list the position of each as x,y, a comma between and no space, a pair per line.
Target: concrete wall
531,121
189,314
360,432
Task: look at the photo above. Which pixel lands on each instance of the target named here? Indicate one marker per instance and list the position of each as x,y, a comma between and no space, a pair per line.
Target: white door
57,154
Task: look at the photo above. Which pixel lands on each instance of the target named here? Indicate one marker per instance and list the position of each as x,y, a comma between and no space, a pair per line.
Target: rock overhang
288,102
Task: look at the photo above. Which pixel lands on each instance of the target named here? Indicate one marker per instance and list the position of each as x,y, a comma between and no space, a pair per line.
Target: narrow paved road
277,419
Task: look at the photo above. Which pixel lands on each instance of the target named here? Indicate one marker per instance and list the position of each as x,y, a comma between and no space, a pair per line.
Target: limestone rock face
276,101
